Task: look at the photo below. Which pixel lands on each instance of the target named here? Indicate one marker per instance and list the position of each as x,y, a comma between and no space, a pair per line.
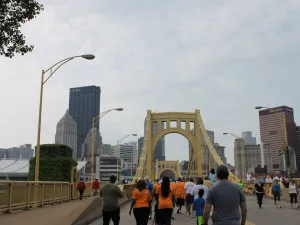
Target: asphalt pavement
268,215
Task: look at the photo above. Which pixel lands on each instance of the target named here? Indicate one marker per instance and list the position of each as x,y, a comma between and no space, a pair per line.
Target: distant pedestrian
241,184
227,198
198,206
276,191
110,193
189,197
96,187
199,185
260,192
81,188
179,186
293,194
150,188
212,176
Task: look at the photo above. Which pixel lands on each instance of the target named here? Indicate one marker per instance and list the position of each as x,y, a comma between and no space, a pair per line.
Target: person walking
156,188
198,206
199,185
226,198
259,190
212,176
293,193
179,186
276,191
96,187
141,203
166,201
188,187
110,193
150,188
81,188
241,184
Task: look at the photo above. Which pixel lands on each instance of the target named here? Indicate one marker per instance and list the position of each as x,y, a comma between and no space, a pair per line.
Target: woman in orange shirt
166,200
179,194
141,202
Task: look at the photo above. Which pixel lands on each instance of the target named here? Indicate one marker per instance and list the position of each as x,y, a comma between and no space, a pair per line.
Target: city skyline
223,58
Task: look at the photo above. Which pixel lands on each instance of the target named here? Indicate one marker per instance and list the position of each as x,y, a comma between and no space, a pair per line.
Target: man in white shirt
188,187
199,186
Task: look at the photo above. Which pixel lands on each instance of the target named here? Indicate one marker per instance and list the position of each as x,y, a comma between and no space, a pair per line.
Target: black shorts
180,201
189,198
276,195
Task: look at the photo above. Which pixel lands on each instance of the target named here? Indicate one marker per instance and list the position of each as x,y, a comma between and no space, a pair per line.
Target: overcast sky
222,57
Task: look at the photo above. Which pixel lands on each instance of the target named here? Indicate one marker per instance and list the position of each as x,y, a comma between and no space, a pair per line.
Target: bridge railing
17,195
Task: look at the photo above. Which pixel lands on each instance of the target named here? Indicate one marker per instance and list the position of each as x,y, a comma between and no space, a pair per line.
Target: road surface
268,215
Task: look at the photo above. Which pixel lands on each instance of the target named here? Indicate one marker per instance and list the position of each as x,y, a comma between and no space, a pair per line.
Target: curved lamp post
118,153
243,152
96,120
52,70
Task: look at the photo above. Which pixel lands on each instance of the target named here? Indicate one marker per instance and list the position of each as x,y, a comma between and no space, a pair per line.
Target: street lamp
97,119
243,152
118,153
52,70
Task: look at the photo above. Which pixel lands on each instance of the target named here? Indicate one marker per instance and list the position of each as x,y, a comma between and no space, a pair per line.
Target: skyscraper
84,104
66,132
159,151
140,146
247,136
277,128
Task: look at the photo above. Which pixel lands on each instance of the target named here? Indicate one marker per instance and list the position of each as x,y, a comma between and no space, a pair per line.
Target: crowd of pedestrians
163,198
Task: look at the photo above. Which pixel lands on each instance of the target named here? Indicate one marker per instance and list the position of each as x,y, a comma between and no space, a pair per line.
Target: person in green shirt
110,193
241,184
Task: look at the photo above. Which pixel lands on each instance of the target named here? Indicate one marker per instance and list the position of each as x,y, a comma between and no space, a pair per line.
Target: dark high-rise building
84,104
159,151
277,128
140,146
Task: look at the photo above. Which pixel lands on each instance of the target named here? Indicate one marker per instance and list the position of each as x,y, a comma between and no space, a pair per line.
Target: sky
222,57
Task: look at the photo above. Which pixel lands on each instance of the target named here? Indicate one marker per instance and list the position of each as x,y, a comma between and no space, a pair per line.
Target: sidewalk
57,214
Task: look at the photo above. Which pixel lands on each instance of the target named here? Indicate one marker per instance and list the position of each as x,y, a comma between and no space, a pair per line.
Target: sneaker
192,216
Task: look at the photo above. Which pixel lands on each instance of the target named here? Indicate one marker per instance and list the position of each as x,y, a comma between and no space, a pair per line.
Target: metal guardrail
18,195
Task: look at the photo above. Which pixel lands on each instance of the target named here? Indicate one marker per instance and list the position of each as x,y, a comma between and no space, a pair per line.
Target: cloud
221,57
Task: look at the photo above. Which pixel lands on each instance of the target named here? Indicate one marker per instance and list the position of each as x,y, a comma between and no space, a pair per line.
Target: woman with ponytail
166,201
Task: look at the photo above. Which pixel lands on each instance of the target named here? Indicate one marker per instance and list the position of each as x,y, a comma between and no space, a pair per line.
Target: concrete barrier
92,211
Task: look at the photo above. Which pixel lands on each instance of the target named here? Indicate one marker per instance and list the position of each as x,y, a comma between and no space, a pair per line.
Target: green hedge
56,163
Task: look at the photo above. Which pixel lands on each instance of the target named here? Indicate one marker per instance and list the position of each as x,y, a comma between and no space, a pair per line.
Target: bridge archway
189,125
160,124
168,173
162,166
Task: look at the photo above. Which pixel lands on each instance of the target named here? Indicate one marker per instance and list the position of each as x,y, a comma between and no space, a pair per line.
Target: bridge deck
61,213
267,215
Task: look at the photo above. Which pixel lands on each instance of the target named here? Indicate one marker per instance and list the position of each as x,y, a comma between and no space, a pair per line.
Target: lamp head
119,109
134,134
259,107
89,56
225,133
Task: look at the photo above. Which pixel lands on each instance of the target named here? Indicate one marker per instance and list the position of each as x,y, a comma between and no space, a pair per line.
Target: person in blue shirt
198,206
212,176
149,186
276,190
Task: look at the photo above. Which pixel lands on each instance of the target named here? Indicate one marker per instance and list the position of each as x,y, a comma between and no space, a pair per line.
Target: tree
56,163
14,13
